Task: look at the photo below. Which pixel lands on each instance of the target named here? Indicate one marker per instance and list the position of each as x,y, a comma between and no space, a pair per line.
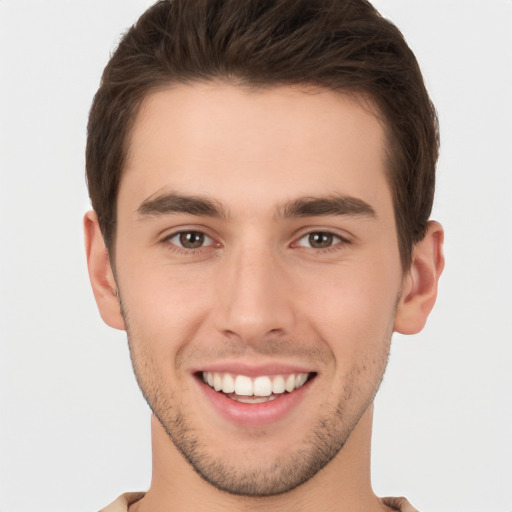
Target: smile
254,390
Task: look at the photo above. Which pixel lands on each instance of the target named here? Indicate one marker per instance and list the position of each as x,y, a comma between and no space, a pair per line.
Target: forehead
268,144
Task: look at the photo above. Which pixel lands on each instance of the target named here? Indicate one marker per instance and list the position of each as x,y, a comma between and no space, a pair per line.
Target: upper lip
253,370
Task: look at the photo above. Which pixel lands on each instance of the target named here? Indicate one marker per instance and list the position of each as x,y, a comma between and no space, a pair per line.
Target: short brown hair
342,45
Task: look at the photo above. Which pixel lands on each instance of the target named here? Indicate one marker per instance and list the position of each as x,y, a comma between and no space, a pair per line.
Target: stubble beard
284,473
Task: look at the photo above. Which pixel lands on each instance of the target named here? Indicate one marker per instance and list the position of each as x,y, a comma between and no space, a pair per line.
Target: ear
101,275
419,289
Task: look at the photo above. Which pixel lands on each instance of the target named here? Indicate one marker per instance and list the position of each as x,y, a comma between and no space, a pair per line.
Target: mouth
255,390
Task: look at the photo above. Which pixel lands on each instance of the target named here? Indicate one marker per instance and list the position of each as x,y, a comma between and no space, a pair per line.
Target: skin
259,290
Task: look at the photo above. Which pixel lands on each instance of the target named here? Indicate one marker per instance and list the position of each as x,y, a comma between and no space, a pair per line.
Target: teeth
217,381
228,383
301,380
243,385
289,385
262,386
278,385
252,399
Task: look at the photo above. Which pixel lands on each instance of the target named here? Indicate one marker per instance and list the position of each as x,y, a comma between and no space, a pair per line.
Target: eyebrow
330,205
171,203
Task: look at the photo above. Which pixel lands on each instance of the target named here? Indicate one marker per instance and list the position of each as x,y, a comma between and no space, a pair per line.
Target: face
258,270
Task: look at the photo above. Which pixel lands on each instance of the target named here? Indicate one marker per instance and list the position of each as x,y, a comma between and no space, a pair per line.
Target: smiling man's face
256,250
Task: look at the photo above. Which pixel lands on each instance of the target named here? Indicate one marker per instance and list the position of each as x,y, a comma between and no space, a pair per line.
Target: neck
343,485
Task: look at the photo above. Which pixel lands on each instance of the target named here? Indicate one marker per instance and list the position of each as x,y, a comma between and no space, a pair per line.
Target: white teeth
252,399
262,386
300,380
243,385
228,384
289,385
278,385
217,381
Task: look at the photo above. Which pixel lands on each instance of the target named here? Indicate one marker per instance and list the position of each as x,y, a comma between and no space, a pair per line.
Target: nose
254,297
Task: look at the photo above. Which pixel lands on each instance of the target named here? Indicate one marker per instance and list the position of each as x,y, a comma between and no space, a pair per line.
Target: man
262,176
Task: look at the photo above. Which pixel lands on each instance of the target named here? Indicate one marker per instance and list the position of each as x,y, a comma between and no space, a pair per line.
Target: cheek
352,309
164,305
355,321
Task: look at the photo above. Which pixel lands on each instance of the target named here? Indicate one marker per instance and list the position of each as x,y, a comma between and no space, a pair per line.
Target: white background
74,430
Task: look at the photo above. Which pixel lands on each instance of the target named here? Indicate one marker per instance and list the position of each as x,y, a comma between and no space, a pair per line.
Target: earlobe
419,289
100,273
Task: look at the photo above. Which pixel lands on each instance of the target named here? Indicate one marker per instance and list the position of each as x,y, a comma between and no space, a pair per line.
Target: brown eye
191,239
320,240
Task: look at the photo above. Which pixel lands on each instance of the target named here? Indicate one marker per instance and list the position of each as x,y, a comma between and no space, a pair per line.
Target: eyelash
174,246
188,250
338,241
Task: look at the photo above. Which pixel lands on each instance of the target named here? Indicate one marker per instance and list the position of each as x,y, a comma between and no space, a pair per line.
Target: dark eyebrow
330,205
169,203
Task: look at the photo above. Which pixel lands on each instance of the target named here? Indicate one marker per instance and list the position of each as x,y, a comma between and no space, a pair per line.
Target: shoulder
123,502
399,504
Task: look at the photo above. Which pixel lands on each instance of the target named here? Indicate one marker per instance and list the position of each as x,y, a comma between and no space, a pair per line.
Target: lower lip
255,415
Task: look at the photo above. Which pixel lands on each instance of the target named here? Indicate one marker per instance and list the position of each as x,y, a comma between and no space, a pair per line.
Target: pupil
320,240
191,240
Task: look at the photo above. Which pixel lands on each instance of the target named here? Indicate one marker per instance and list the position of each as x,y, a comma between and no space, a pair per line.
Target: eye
319,240
190,239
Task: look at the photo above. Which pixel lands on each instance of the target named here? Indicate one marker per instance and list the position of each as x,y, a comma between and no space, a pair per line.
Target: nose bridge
252,299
